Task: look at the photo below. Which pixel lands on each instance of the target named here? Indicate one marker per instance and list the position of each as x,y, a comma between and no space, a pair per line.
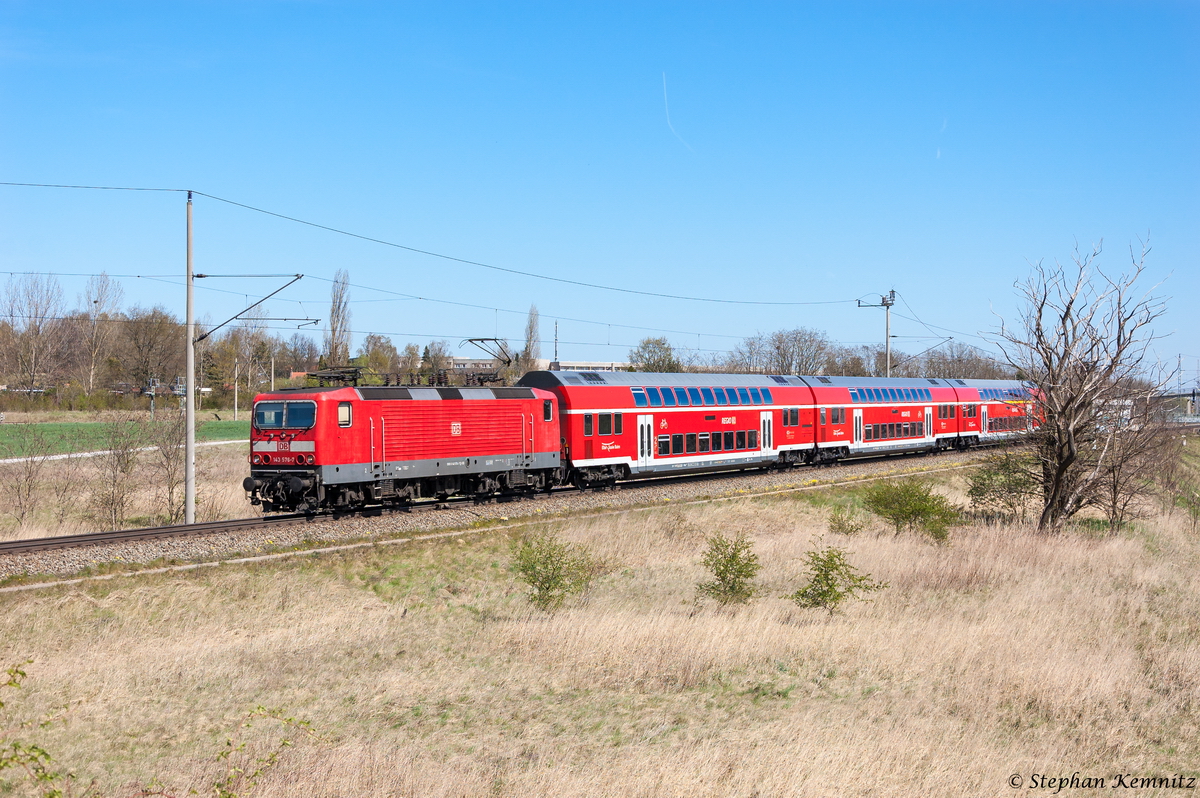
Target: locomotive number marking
456,428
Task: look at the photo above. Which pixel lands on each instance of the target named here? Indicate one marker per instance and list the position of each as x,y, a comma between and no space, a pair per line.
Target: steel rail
30,545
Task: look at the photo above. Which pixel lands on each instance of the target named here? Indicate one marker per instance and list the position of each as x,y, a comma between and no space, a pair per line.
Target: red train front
321,448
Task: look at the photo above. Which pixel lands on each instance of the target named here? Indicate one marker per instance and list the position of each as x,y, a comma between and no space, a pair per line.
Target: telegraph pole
886,303
189,413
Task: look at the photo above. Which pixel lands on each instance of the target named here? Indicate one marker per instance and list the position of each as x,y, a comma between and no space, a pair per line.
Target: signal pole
189,413
886,303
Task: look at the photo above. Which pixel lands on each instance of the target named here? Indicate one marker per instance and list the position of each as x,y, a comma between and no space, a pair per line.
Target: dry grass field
425,672
66,501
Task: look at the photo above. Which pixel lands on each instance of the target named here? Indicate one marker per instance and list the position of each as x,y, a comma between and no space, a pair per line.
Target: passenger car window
743,395
732,394
728,441
655,397
668,397
664,444
345,414
691,443
677,444
709,399
752,439
720,394
617,423
755,396
741,439
639,398
606,423
766,395
681,395
694,395
587,423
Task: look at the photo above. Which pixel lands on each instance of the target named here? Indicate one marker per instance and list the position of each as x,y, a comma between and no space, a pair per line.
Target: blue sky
812,153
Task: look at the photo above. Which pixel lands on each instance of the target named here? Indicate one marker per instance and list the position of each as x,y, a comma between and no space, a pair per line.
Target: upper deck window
744,395
755,396
285,415
668,397
681,395
639,397
694,395
709,399
655,397
766,395
720,394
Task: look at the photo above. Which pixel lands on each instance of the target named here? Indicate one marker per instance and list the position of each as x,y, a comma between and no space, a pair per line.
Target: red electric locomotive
319,448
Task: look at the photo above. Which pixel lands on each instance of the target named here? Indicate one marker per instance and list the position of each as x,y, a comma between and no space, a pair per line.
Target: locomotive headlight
257,459
311,459
266,459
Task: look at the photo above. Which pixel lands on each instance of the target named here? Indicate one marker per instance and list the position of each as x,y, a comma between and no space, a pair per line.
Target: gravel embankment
227,545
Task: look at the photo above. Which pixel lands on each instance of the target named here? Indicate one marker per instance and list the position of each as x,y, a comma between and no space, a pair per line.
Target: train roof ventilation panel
825,380
779,379
933,381
962,383
592,377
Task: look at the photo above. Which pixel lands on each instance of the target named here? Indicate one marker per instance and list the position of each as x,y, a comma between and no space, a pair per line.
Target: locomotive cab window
548,409
345,414
268,415
285,415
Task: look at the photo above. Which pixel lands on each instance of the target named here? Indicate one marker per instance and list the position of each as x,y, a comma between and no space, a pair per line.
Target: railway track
12,547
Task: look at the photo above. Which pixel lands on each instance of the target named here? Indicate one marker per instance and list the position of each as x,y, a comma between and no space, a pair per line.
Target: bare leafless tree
23,480
1083,339
532,350
410,363
337,333
436,359
101,301
113,490
1141,449
166,439
33,308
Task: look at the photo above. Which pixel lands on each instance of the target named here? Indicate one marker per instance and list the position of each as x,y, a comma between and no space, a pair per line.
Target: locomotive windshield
280,415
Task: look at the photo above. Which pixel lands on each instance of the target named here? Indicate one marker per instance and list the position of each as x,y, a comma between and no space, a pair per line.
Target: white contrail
667,106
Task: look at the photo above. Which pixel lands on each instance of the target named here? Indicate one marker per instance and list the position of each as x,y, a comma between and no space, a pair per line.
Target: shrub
845,522
912,504
832,580
1003,484
733,564
553,569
